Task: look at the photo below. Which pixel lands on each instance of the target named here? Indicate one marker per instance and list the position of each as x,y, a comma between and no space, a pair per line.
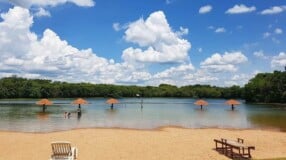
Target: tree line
265,87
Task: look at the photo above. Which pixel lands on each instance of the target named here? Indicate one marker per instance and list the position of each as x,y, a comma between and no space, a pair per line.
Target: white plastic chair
62,150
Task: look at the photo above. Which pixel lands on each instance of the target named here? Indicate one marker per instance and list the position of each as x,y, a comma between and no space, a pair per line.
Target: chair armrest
74,152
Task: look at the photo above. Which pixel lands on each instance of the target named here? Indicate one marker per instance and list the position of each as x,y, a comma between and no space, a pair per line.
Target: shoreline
151,129
163,143
262,103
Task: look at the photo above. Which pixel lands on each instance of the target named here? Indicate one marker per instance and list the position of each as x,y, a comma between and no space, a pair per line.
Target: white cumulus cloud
174,75
205,9
240,8
211,27
220,30
39,7
43,3
183,31
260,54
279,61
42,13
278,31
273,10
168,1
243,78
25,54
266,34
179,70
226,62
273,34
217,29
163,44
200,76
117,26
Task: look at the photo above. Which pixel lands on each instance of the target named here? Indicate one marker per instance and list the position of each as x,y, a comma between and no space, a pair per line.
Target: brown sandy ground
125,144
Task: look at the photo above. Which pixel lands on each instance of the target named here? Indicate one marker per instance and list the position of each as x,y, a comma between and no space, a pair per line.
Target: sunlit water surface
24,115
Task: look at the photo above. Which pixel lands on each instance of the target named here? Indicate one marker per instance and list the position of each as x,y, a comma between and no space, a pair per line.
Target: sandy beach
164,143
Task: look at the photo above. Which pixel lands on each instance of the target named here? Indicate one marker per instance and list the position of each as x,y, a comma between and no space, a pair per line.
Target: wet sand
165,143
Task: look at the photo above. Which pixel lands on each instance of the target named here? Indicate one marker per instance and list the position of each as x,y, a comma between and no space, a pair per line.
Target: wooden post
44,108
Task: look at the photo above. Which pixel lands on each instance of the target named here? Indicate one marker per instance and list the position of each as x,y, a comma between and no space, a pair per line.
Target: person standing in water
141,103
78,113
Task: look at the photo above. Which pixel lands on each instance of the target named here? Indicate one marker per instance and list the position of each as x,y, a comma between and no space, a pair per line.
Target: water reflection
78,116
201,113
111,112
79,113
26,116
269,120
233,114
43,115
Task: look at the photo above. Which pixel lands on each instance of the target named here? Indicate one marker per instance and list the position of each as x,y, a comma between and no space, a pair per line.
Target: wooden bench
233,148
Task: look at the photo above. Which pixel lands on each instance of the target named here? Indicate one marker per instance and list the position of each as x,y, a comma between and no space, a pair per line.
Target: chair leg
75,152
249,155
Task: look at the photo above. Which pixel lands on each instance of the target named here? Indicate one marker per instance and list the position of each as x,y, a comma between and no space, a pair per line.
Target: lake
24,115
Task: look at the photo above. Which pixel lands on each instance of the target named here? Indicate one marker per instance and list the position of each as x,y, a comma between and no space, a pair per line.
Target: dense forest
15,87
265,87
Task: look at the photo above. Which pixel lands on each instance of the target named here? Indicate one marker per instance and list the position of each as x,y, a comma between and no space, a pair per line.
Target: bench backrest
61,149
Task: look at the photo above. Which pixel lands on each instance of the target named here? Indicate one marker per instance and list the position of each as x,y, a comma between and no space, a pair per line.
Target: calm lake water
24,115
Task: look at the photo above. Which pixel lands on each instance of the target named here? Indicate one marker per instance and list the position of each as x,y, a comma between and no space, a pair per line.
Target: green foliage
15,87
267,88
202,91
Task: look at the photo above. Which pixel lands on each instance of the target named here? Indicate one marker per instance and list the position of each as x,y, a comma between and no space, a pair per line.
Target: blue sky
178,42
